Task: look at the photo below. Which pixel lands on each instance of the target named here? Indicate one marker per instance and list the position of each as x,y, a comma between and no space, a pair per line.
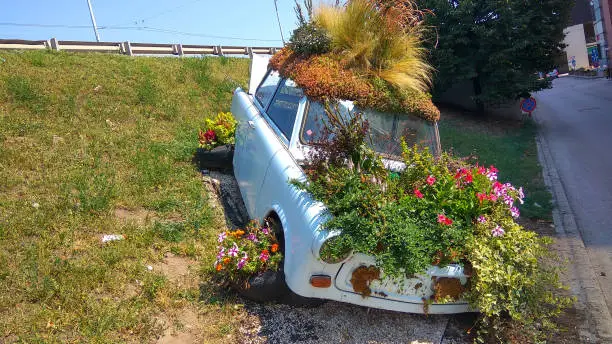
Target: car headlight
333,252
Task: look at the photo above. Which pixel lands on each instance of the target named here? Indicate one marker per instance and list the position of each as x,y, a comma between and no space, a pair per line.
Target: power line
176,32
47,25
168,10
137,28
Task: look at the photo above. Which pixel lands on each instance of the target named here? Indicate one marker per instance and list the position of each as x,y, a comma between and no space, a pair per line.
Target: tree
498,45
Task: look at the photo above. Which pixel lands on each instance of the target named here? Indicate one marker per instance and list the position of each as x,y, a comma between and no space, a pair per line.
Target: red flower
444,220
493,169
482,170
431,180
418,193
469,178
210,135
493,197
481,196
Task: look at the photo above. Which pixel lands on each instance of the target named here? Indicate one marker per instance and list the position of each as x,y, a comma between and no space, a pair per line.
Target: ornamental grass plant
366,51
374,40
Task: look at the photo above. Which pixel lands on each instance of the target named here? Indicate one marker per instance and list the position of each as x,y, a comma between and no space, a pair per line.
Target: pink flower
482,170
418,193
491,173
498,188
265,230
233,251
221,254
497,231
515,212
509,201
482,219
264,256
252,237
492,197
431,180
241,263
222,237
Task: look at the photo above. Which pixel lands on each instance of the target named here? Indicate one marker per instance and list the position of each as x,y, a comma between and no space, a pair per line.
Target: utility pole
279,23
93,21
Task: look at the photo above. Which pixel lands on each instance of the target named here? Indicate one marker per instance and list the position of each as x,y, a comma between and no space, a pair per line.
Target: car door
255,141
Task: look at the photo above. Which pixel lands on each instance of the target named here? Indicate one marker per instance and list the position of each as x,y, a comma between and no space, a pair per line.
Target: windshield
386,129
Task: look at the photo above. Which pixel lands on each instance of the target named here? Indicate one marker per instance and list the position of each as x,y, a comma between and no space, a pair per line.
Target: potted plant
249,260
217,142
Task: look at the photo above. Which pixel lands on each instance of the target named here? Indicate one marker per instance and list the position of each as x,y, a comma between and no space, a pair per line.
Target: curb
597,325
586,77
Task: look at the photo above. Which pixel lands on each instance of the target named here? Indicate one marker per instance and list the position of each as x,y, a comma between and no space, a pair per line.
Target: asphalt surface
575,118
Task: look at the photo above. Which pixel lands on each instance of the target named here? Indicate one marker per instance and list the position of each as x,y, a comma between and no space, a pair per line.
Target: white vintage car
276,124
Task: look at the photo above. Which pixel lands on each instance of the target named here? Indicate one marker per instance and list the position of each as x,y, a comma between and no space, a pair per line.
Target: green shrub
439,210
310,38
219,131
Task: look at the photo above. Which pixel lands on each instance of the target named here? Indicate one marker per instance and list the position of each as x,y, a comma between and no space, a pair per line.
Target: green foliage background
497,45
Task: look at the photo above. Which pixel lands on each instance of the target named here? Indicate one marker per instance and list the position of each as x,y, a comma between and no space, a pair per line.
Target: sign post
528,105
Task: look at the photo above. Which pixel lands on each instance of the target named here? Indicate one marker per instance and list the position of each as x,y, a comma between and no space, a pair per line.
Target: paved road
576,120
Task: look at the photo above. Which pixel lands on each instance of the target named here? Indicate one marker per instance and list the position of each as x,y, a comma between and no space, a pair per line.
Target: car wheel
270,286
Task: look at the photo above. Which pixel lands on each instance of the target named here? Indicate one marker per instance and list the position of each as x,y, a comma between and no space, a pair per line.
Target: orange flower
274,248
226,260
240,232
219,267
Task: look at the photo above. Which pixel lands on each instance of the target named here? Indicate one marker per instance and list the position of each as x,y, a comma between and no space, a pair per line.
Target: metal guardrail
129,48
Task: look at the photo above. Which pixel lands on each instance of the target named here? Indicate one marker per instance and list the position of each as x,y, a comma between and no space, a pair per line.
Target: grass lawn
94,144
507,144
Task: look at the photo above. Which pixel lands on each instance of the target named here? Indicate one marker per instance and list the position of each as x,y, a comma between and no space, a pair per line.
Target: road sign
528,105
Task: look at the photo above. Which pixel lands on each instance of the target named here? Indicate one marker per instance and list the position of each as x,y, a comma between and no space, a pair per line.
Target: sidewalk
597,324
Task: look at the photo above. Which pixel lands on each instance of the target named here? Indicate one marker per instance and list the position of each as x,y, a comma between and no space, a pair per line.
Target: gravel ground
332,322
335,322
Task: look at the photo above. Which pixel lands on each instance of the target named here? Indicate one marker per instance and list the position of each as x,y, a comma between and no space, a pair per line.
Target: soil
178,270
138,216
181,326
362,277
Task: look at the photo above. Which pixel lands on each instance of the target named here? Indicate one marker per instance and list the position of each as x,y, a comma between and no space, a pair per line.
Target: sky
204,22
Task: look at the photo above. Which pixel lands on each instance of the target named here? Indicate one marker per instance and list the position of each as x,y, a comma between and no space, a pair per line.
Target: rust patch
425,306
418,286
445,287
362,277
380,293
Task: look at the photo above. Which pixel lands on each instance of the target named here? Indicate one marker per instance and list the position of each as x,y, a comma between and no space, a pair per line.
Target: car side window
284,107
266,90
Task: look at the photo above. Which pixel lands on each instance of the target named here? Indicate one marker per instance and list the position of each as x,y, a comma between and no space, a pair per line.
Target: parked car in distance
277,124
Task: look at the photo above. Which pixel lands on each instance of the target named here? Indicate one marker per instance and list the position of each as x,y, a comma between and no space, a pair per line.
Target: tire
270,286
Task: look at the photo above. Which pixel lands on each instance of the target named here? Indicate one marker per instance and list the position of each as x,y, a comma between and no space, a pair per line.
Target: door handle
251,124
